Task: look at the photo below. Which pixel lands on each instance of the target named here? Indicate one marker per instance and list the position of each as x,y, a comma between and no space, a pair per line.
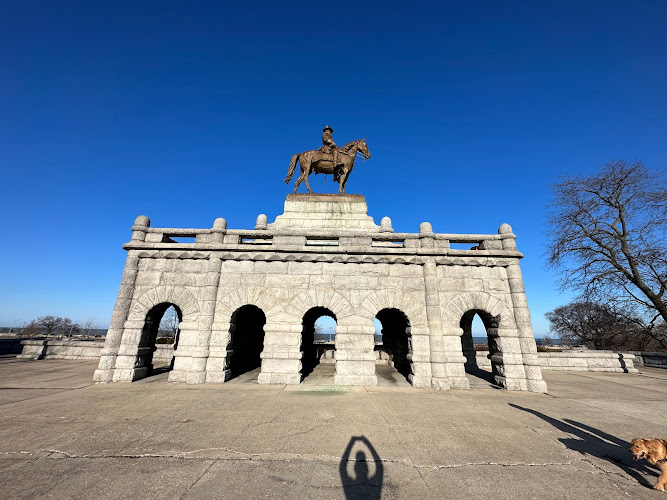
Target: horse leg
342,180
306,179
299,180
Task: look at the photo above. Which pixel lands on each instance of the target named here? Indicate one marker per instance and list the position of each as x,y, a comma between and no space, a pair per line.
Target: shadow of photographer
361,485
597,443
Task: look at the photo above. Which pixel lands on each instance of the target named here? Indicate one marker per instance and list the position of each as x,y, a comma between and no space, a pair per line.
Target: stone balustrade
79,349
588,361
650,359
399,243
593,361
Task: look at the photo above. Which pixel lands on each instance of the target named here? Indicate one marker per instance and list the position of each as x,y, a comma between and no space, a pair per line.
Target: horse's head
363,148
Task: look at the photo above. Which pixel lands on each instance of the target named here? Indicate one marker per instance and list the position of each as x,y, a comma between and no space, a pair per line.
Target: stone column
281,357
526,340
468,346
191,356
105,369
506,359
355,353
447,361
217,363
420,356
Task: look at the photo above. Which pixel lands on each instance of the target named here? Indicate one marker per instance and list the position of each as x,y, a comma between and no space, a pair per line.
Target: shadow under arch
363,485
314,349
597,443
148,339
468,346
246,340
396,340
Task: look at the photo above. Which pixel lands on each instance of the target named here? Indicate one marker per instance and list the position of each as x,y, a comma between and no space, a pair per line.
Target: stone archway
506,358
315,350
396,341
472,366
134,359
246,341
149,334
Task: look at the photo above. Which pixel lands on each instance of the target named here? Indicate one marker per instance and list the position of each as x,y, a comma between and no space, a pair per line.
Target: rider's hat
327,127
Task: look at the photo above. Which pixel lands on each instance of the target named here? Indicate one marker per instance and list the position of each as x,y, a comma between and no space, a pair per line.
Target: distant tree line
55,325
608,237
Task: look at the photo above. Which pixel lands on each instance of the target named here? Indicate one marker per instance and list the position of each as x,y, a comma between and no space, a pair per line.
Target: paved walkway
62,437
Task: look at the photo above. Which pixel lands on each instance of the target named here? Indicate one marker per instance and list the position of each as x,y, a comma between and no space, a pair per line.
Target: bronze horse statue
322,163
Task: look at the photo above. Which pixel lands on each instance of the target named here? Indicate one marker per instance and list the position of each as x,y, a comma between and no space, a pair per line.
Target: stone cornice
482,258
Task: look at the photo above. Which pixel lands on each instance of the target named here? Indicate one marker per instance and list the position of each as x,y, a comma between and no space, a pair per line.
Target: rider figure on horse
329,146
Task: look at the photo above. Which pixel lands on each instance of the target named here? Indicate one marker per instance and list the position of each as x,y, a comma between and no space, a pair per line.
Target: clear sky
188,111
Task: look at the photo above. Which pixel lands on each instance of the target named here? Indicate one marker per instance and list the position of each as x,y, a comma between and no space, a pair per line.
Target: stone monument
251,296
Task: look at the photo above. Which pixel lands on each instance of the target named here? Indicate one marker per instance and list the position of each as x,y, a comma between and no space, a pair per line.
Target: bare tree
53,325
599,326
67,327
87,327
31,329
608,234
48,325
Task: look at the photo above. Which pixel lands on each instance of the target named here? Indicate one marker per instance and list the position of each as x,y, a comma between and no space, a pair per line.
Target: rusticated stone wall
323,253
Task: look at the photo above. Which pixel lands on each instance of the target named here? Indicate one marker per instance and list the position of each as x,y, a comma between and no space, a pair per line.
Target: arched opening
480,342
159,338
246,342
318,342
393,345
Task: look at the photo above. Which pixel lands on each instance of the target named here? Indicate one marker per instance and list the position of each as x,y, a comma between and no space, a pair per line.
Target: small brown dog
655,451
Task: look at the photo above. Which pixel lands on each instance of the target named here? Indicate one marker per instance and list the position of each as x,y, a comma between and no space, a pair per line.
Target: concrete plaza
63,437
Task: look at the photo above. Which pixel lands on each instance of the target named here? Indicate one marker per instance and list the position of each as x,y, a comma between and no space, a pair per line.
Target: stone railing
78,349
326,354
382,239
587,361
60,349
10,346
650,359
595,361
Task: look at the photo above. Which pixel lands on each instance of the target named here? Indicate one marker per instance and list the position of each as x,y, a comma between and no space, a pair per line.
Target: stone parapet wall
10,346
571,360
326,354
650,359
78,349
61,349
589,361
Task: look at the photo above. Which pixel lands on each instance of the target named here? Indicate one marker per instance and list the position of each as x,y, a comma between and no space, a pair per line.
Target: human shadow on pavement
597,443
362,486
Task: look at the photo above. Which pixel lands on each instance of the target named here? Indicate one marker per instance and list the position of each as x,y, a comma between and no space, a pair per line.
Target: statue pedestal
326,212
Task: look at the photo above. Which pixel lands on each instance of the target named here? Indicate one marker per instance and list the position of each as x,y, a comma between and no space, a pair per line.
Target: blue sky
185,112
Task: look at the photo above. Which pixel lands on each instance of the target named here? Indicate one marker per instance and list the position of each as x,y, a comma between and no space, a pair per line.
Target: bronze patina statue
329,146
329,159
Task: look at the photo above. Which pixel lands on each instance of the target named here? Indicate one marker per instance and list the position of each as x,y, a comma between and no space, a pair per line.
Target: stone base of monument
323,256
324,212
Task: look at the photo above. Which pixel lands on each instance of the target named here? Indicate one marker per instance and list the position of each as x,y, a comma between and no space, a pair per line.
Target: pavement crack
498,464
235,439
613,476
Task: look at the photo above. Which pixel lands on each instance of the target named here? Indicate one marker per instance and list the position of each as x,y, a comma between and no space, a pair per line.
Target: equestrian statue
329,159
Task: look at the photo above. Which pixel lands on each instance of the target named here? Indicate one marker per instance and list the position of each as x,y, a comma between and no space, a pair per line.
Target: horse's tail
292,167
